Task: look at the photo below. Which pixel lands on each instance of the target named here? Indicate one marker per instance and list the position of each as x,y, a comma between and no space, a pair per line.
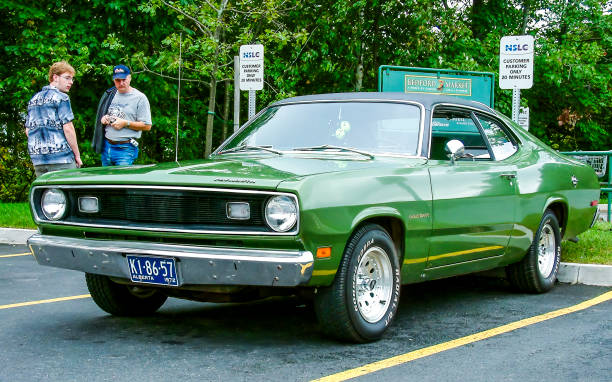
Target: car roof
427,100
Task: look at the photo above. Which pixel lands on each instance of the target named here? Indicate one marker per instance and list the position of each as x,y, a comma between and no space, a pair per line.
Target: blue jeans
122,154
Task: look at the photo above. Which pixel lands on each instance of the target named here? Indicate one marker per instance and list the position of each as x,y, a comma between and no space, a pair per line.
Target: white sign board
523,118
516,62
251,67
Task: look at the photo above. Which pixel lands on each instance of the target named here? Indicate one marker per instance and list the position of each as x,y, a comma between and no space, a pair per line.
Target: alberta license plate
153,270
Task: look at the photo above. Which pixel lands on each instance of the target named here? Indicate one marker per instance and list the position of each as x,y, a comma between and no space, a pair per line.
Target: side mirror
455,149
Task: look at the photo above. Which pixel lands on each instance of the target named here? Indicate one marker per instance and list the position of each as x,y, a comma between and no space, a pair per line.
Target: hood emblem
234,180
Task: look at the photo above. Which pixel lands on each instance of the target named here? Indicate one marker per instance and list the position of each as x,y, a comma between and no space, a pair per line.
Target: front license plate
153,270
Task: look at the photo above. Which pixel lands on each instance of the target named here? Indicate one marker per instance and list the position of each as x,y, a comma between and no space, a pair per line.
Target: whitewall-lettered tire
364,297
537,271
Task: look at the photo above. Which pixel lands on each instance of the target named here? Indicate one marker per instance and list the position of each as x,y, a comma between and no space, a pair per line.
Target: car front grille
169,207
164,209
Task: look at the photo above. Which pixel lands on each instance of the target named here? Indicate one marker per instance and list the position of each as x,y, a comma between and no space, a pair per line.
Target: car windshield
363,127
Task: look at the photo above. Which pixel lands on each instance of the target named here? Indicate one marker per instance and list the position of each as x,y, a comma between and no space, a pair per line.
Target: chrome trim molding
293,232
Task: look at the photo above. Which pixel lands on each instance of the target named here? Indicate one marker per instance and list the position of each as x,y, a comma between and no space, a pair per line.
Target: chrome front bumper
196,265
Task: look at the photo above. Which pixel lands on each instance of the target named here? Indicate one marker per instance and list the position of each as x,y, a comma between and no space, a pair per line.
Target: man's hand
70,135
106,119
119,123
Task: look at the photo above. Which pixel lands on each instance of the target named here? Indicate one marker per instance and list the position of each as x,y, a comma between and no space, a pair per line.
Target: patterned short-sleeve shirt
48,111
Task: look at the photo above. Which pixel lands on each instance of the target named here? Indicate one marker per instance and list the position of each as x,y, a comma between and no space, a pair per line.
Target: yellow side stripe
415,261
17,254
44,301
407,357
324,272
459,253
451,254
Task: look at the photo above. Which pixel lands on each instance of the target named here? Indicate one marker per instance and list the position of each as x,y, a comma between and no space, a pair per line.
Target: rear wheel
123,300
363,300
537,271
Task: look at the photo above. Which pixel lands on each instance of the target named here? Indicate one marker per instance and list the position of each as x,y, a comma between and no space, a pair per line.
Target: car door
474,197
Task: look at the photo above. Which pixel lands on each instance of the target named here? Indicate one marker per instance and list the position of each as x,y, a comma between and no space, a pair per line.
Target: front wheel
123,300
363,300
537,271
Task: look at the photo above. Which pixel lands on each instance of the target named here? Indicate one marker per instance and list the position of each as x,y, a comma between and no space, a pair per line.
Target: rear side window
457,124
501,144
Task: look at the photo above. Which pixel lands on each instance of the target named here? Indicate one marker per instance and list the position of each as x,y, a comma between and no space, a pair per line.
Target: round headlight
53,203
281,213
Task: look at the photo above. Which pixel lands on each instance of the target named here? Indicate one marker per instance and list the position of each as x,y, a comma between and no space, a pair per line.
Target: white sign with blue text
516,62
251,67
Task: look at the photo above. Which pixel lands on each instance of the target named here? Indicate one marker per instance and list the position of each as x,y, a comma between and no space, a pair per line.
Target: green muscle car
340,198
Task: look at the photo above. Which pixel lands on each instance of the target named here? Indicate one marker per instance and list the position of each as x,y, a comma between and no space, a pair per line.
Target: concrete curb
589,274
15,235
572,273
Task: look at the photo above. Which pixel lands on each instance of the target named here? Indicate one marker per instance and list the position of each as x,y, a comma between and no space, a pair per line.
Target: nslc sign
251,67
516,62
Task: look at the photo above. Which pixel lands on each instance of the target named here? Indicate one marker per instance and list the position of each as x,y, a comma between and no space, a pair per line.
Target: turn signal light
323,252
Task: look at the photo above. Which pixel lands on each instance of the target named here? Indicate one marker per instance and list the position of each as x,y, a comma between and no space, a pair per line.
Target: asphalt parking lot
50,330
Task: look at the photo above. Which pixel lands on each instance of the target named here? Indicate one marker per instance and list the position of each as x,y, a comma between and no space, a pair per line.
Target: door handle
508,176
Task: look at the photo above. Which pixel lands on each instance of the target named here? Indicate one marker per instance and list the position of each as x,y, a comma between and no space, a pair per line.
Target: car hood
262,172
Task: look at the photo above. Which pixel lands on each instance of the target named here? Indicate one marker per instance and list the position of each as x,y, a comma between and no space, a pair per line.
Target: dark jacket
97,142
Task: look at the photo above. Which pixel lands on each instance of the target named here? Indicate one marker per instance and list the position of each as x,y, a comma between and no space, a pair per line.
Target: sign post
236,93
251,72
516,67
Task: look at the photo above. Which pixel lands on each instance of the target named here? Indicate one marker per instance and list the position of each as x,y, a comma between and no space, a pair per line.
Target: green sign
477,86
438,85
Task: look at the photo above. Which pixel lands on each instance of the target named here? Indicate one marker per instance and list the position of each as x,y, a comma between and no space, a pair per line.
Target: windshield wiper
247,147
338,148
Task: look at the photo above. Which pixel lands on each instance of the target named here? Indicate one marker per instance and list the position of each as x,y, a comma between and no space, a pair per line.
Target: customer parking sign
516,62
251,67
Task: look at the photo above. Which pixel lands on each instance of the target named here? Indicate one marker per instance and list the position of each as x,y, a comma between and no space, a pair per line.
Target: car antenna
178,100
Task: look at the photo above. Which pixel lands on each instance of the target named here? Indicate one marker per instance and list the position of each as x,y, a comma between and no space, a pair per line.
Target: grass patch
594,246
16,215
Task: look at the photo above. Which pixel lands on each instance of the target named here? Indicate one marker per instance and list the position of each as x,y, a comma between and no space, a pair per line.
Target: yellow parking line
44,301
17,254
407,357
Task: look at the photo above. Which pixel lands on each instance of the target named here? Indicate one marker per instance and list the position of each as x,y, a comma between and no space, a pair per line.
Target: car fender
376,212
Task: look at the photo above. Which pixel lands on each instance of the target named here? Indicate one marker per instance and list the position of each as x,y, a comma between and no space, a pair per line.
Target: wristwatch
128,124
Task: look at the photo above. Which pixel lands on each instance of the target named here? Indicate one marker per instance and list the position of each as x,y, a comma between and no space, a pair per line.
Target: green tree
327,46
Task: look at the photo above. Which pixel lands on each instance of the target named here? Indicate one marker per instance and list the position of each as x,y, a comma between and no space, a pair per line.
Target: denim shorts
122,154
45,168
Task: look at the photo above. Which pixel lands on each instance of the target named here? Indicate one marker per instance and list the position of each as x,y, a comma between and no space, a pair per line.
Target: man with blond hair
52,141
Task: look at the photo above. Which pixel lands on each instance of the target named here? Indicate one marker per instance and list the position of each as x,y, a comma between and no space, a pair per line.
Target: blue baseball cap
121,72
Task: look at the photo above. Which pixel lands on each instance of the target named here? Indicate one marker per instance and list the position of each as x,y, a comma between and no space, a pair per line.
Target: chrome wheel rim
547,250
374,284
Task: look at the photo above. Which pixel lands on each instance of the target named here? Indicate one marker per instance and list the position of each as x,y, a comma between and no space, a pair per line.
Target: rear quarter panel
545,177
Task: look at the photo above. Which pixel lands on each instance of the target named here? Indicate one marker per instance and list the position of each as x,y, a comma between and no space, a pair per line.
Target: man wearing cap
52,141
123,113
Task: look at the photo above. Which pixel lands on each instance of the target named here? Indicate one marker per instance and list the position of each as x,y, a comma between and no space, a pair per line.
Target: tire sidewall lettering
373,240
